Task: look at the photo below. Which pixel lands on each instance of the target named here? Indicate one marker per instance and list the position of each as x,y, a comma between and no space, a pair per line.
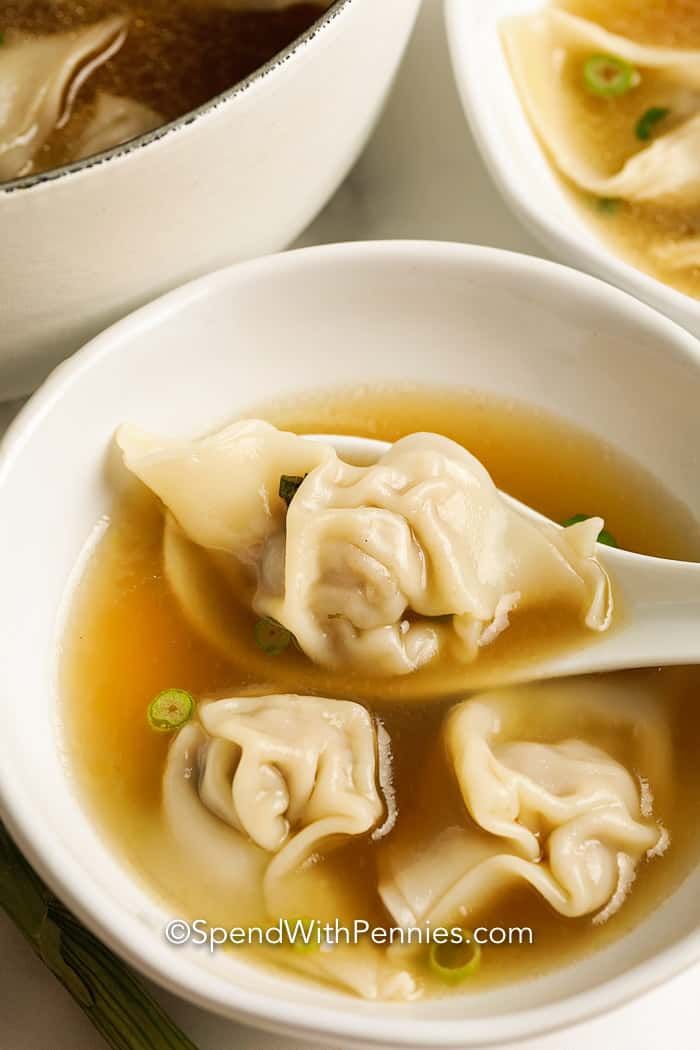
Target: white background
419,177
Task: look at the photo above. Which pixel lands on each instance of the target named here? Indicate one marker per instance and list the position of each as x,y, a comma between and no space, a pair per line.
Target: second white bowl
518,165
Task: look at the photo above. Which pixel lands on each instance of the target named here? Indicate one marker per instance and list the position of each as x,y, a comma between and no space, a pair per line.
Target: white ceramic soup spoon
659,599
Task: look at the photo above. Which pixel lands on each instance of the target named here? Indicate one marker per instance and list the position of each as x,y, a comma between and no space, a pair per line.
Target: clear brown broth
127,640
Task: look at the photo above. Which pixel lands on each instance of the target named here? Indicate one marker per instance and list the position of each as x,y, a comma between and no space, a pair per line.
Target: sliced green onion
289,483
170,710
454,963
603,536
647,122
608,76
608,205
271,636
310,927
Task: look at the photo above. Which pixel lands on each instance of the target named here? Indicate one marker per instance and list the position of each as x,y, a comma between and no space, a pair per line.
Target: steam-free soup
88,76
213,817
613,92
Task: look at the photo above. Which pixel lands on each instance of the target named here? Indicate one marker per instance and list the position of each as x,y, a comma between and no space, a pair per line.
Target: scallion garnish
305,933
647,122
170,710
608,205
603,536
271,636
608,76
289,483
454,963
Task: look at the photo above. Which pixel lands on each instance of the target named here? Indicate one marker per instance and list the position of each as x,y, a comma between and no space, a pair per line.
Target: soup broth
127,640
176,55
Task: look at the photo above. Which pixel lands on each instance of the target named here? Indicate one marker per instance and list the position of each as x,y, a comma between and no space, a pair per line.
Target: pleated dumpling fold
287,773
563,815
378,568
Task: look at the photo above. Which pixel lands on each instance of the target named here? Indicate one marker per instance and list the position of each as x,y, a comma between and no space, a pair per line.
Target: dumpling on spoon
379,568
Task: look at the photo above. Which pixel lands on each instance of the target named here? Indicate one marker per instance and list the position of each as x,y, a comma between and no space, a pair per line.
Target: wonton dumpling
423,530
288,773
115,120
39,76
222,488
255,789
565,817
677,254
668,169
255,5
231,859
361,968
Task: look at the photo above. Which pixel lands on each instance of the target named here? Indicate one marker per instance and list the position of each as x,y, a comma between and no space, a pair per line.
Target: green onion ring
608,76
445,969
170,710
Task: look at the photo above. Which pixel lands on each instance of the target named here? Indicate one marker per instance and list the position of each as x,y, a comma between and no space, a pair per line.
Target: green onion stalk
105,988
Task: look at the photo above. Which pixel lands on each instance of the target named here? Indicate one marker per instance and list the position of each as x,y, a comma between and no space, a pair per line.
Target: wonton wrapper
257,5
565,817
668,169
39,78
294,773
228,861
423,530
115,120
678,254
362,968
261,785
290,774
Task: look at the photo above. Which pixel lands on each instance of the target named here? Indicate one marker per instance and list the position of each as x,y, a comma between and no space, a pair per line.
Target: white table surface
419,177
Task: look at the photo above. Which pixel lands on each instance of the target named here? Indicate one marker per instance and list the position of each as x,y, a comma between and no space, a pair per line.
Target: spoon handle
660,607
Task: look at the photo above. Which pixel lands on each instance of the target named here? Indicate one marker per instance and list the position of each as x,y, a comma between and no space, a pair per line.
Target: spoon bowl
659,598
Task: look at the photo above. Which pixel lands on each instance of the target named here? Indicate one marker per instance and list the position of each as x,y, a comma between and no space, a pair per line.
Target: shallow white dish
343,315
241,176
518,165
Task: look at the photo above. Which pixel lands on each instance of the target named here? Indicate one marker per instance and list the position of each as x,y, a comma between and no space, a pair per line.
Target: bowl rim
54,861
279,59
603,260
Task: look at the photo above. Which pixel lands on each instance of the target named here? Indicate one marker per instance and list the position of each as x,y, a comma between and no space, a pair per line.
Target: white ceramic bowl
240,177
349,314
518,165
